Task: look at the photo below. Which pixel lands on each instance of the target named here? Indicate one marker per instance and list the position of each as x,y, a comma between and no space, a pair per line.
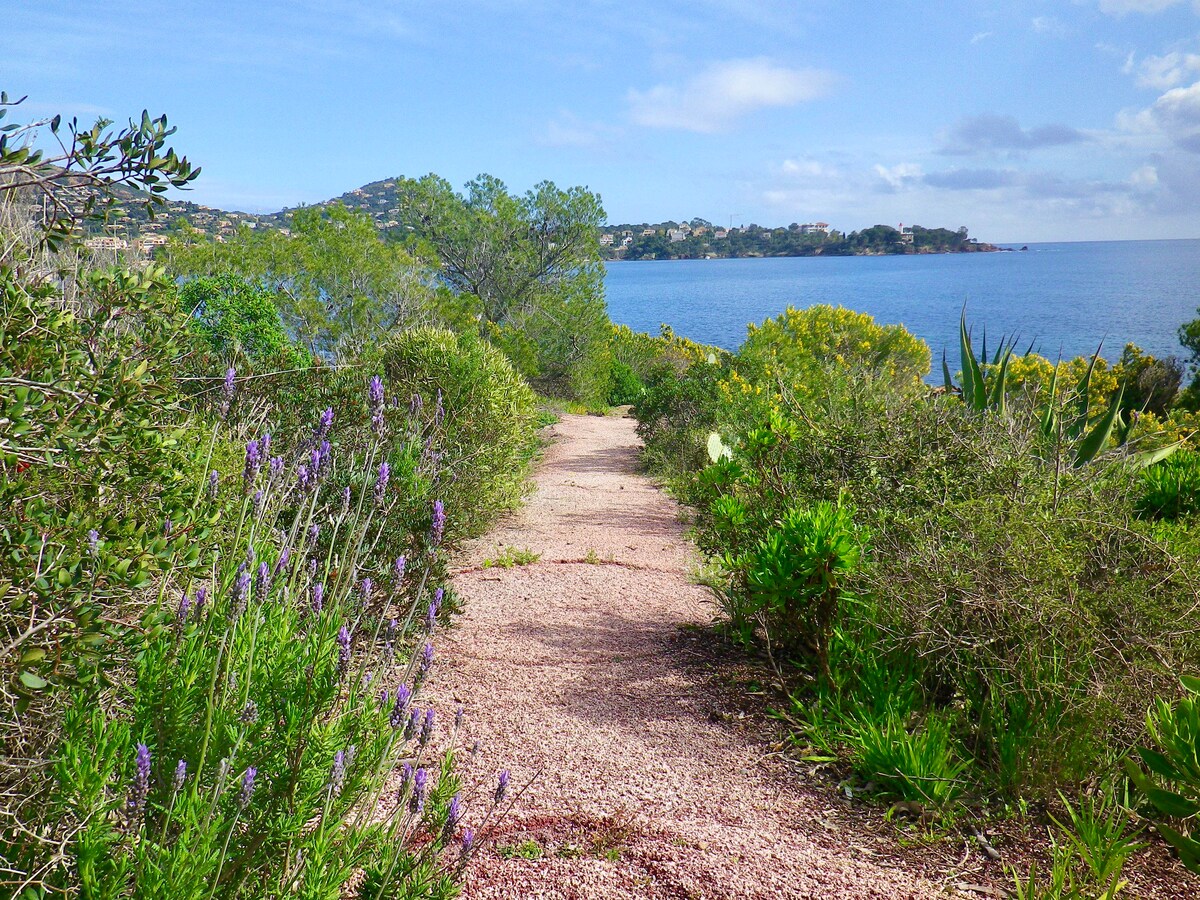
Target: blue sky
1023,120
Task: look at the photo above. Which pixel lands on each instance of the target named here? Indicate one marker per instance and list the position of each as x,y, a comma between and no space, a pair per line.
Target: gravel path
577,667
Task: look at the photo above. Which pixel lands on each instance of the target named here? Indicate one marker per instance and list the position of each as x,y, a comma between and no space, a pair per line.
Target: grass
512,556
529,849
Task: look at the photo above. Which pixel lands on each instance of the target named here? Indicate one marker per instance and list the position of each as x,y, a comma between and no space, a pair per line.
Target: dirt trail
581,669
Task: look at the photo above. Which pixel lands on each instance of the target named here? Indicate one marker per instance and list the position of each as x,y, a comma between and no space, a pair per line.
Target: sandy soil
584,673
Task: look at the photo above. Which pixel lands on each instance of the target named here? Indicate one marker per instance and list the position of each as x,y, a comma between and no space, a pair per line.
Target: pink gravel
579,673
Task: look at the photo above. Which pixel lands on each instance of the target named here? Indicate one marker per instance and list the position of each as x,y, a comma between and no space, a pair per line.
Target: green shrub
1171,487
238,319
485,412
625,386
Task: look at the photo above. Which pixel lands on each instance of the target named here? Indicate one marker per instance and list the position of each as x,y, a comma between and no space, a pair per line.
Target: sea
1060,300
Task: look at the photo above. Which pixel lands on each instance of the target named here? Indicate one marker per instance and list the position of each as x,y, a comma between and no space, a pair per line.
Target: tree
339,283
237,318
533,262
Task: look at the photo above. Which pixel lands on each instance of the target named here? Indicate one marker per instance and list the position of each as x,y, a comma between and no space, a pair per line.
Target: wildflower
406,777
264,444
201,597
375,400
93,537
249,713
453,815
312,567
241,590
346,500
438,526
502,786
318,596
458,718
227,391
258,501
427,727
337,774
284,557
399,568
415,404
400,709
367,678
167,528
343,642
431,617
185,604
414,718
314,532
180,775
325,423
247,787
381,483
276,465
303,480
141,782
365,587
420,784
425,665
253,463
213,480
262,582
438,595
351,755
314,462
439,410
468,839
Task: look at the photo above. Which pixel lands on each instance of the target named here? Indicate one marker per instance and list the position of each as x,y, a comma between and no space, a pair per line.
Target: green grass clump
512,556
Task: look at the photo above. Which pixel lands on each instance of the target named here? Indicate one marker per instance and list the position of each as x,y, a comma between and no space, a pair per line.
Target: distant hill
695,239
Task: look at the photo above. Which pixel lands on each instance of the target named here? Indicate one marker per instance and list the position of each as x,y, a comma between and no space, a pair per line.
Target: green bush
1171,488
485,412
237,320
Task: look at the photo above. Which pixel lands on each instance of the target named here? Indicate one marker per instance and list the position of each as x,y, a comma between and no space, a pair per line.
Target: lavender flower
318,597
303,479
167,528
458,718
213,481
258,501
249,713
438,596
399,567
312,567
247,787
276,465
180,775
431,617
425,664
420,785
201,597
365,587
414,719
468,840
262,582
185,604
283,560
381,483
264,444
406,777
375,400
351,755
93,537
326,453
400,709
241,590
253,463
438,526
415,404
346,500
427,727
337,774
227,391
502,786
453,816
325,423
314,532
439,410
314,462
343,642
141,782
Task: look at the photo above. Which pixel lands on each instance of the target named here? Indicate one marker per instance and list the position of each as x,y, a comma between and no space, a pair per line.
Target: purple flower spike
431,617
180,775
337,774
303,479
213,481
345,500
258,501
468,839
318,597
438,527
401,564
365,587
458,718
283,560
141,782
93,537
375,400
325,423
425,665
247,787
420,785
264,444
400,710
381,483
253,462
262,582
415,404
427,727
438,596
406,778
453,817
201,597
167,528
185,604
227,391
314,532
502,786
343,642
414,720
241,590
276,465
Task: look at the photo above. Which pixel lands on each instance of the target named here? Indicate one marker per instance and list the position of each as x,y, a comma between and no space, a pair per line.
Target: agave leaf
1137,776
947,380
974,390
1190,683
1097,438
1000,388
1083,397
1050,415
1158,764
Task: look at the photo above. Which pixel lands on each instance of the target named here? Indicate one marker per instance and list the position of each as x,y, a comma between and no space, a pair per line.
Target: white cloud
1048,25
1167,71
1177,113
980,36
716,97
806,169
1145,177
568,130
899,176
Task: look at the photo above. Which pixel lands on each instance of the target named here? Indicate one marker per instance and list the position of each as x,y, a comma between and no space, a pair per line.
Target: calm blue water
1061,297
